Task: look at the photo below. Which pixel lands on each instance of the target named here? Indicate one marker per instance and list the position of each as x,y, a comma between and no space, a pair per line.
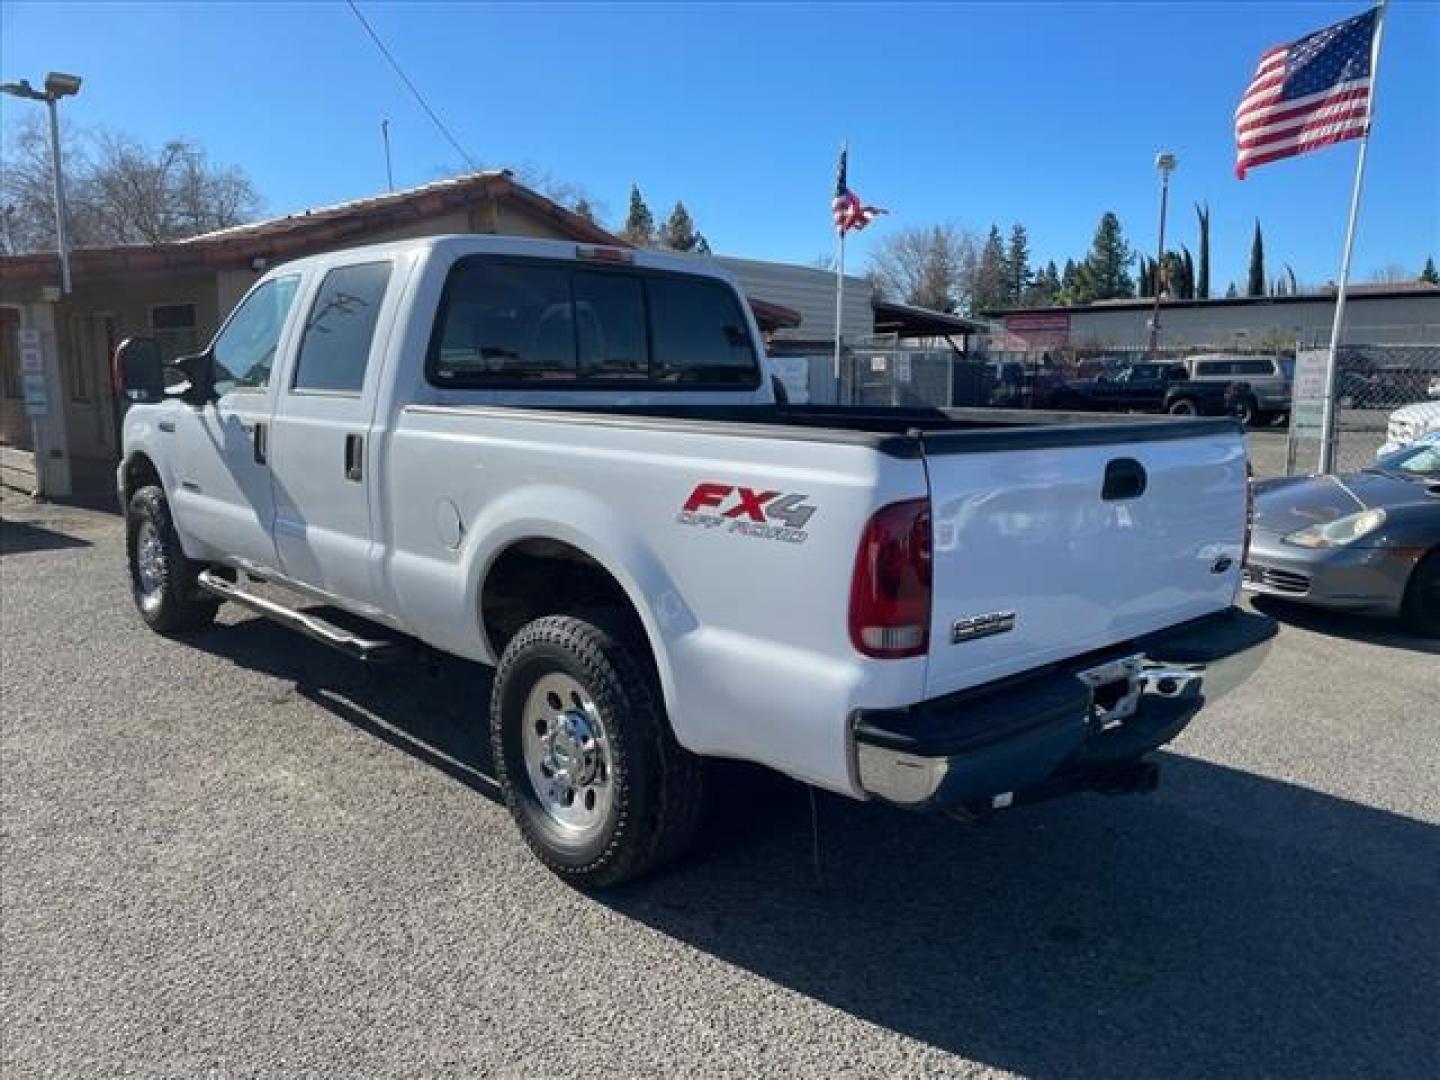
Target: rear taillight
890,592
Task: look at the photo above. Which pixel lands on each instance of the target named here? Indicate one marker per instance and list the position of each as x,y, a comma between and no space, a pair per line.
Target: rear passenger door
321,447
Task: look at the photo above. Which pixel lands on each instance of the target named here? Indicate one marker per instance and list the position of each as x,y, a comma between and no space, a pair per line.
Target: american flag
1307,94
850,212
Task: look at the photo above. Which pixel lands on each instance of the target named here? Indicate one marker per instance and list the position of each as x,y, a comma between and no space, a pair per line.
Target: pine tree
585,210
1017,265
1145,286
1232,292
989,290
1072,284
678,233
1045,288
1202,282
639,228
1256,284
1428,274
1187,283
702,246
1107,270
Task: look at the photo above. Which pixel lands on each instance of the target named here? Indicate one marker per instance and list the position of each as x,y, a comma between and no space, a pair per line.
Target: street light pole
57,86
61,241
1165,162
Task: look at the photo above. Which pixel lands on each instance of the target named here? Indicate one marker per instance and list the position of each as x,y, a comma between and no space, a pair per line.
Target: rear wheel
1422,597
593,776
1246,412
162,579
1183,407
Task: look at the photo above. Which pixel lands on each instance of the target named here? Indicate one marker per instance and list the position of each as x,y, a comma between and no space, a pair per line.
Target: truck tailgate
1043,552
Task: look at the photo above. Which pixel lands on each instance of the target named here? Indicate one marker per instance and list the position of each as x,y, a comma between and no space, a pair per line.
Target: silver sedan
1367,542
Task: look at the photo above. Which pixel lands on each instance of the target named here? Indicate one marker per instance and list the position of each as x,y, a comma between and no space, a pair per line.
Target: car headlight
1341,531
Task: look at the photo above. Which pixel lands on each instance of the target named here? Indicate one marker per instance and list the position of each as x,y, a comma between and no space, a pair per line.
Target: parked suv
1265,382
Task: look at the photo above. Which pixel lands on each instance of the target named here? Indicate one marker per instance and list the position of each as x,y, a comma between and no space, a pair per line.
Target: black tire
1421,609
1184,407
652,811
1246,411
165,592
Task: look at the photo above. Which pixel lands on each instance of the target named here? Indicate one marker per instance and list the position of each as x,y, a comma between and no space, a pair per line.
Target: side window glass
245,350
335,349
505,322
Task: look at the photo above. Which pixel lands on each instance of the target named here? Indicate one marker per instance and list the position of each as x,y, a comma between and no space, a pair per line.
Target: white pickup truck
570,463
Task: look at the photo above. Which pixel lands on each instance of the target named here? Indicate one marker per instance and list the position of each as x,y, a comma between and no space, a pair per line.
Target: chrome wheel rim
567,755
149,563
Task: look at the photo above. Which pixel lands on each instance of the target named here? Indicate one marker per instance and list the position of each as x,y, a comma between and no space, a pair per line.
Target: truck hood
1287,505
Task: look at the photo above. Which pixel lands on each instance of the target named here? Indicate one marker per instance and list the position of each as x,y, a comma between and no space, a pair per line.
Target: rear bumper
1074,726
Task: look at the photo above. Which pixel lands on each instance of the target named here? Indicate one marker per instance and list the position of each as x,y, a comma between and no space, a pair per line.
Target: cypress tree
1202,282
1256,284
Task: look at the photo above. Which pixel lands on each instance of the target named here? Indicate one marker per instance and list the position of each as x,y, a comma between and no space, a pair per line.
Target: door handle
257,436
354,458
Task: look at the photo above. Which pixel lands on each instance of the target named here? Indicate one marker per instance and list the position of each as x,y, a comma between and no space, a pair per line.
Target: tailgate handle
1124,479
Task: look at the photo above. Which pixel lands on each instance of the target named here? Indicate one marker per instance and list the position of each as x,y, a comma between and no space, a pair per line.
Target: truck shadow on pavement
17,537
1229,924
1373,631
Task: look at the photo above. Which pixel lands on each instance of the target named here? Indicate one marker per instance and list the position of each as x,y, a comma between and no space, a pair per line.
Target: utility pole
385,137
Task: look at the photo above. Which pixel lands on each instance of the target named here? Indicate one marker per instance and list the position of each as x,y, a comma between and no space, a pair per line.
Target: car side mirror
198,372
138,371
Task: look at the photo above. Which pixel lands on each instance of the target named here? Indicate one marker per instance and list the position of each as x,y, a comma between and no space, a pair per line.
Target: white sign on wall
32,373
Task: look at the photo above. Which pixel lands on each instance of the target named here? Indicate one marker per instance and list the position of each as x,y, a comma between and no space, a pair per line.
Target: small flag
1307,94
849,212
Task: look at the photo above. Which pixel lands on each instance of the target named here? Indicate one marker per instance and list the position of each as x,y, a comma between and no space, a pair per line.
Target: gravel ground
243,855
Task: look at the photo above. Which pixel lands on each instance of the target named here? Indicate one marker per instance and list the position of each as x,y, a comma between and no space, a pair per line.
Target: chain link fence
1384,395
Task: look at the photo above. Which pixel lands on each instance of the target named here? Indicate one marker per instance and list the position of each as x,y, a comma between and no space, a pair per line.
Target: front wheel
1422,597
1183,407
1245,411
592,775
162,579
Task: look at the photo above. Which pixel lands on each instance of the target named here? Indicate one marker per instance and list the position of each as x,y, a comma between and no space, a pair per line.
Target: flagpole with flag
1310,93
1327,420
848,213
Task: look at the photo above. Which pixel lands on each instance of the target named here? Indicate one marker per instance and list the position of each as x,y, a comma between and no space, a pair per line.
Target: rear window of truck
512,322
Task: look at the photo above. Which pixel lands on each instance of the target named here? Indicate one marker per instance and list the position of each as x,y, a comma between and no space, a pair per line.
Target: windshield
1419,462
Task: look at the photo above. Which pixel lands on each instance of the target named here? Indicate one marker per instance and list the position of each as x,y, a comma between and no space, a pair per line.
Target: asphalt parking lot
244,856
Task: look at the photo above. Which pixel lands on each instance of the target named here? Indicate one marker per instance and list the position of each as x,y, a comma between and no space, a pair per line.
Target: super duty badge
978,626
765,515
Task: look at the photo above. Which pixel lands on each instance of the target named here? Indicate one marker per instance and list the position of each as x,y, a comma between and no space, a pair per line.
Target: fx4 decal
765,515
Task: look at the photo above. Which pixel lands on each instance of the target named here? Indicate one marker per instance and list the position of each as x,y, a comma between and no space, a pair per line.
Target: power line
413,88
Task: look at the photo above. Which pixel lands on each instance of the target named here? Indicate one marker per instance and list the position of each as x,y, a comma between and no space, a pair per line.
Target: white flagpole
1327,420
839,309
839,287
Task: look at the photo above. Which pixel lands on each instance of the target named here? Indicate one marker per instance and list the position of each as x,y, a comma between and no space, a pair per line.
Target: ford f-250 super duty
569,462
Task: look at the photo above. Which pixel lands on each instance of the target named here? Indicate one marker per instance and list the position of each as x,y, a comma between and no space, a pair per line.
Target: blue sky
1044,113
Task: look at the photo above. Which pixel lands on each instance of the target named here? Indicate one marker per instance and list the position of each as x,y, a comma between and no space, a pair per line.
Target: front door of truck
322,449
224,497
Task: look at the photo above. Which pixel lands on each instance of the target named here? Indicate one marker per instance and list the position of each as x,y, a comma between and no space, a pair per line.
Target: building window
173,327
